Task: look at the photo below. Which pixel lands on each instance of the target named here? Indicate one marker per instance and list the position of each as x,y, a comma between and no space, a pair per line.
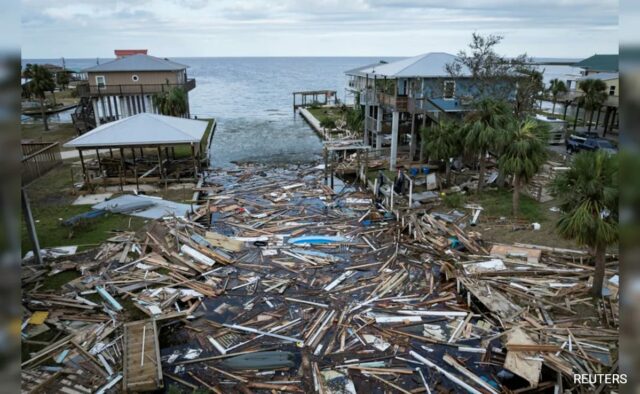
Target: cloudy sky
93,28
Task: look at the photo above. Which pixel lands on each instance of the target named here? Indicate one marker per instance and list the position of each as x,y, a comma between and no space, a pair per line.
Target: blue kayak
317,239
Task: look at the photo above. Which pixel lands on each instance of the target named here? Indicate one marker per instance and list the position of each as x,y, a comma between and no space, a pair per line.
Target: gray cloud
319,27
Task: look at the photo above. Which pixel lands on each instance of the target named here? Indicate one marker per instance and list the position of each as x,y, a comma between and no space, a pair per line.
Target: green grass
454,200
322,114
54,282
51,198
498,203
60,132
184,151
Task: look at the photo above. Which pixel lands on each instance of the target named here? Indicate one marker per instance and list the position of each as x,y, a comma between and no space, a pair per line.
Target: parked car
557,128
588,141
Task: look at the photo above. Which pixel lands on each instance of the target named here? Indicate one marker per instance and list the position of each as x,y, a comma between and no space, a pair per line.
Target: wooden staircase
84,119
141,365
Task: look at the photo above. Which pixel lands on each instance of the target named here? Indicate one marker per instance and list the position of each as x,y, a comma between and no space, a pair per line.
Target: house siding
144,77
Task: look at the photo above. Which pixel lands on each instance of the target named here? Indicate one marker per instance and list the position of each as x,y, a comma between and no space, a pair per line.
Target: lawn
59,132
184,151
322,113
51,197
497,204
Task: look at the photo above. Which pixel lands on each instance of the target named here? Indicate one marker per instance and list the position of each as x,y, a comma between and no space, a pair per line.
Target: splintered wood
276,282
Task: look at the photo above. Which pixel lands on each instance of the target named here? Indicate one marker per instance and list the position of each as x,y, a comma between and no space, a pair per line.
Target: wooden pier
314,97
142,368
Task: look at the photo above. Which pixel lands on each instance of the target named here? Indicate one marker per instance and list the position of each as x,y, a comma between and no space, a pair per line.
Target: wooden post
99,162
575,121
326,164
84,169
160,163
122,159
195,162
111,153
412,146
31,227
598,118
424,124
135,174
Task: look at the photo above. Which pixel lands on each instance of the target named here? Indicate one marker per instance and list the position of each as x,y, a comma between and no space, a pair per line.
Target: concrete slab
144,206
91,199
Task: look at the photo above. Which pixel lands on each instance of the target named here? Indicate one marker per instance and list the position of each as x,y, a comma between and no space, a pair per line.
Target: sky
176,28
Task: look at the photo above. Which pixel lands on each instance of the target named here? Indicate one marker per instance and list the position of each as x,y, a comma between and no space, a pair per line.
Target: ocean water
251,100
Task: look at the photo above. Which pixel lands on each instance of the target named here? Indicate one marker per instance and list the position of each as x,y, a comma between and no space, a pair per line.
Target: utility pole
31,228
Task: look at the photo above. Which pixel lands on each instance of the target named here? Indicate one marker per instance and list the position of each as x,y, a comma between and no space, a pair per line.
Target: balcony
398,103
87,90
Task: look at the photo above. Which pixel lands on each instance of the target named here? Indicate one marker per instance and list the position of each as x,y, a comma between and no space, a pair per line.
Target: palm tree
41,82
588,194
171,103
484,129
594,95
355,119
442,142
524,153
556,87
62,79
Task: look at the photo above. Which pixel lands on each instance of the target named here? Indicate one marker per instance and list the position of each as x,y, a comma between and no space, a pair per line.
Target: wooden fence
38,158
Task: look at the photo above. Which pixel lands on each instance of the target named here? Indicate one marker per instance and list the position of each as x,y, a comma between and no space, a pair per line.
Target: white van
557,128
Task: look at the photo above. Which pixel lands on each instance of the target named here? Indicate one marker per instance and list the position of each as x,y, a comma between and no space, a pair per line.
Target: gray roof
601,76
428,65
358,70
138,62
141,130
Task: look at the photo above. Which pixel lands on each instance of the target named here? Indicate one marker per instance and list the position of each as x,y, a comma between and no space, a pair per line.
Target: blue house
400,96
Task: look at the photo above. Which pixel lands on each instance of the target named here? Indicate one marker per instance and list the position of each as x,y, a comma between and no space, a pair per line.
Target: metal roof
428,65
599,63
358,70
142,130
138,62
601,76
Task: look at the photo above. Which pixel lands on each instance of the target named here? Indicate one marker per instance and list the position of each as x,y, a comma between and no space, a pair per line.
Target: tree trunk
43,112
53,96
448,172
516,196
590,119
598,274
553,109
481,171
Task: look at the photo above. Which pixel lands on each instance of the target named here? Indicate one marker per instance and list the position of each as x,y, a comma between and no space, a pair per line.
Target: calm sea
251,99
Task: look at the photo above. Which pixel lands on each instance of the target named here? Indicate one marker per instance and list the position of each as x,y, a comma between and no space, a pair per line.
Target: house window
449,90
135,78
100,81
612,90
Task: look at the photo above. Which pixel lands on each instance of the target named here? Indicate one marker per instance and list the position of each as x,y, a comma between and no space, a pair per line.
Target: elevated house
401,96
604,68
125,86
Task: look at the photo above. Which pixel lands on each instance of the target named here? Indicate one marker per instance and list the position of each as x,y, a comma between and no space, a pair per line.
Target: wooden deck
142,368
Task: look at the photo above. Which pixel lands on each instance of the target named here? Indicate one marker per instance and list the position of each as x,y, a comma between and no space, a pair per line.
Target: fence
38,158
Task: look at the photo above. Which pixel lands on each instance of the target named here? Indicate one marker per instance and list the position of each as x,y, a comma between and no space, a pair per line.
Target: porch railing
88,90
38,158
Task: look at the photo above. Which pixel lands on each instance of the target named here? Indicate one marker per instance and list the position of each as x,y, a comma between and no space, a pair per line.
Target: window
100,81
449,90
135,78
612,90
